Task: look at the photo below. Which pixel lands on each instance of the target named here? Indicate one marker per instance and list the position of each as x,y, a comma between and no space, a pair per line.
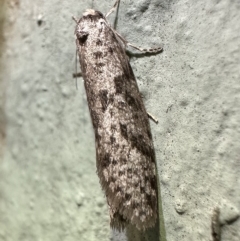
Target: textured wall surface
49,189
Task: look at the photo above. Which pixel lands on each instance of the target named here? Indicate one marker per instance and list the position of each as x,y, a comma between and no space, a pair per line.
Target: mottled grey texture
49,189
126,163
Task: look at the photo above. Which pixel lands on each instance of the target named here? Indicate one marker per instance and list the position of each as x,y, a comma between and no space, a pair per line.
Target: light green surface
49,189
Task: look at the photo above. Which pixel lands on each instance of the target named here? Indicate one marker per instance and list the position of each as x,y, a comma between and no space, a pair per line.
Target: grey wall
49,189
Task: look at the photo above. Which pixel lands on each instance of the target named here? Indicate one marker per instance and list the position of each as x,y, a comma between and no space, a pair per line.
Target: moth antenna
76,68
76,21
113,8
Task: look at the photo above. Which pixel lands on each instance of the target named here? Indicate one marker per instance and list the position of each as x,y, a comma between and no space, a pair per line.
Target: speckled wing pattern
124,147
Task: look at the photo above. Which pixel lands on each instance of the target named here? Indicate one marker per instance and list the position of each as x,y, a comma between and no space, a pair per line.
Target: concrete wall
49,189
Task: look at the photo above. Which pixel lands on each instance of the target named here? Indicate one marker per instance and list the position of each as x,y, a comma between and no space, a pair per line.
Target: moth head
83,29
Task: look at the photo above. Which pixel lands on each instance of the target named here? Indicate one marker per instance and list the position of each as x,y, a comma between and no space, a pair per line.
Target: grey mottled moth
124,147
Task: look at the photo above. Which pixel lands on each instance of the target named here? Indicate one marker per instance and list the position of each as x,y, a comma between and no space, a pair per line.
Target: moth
124,147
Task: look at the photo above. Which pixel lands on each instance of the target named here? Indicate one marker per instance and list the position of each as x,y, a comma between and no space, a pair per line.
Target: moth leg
152,118
76,75
113,8
151,50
